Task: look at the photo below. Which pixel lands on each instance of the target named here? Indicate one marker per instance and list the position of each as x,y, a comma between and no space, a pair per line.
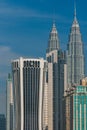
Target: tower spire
75,22
54,17
75,10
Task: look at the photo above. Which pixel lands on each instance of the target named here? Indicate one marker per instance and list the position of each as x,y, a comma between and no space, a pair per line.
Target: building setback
28,83
57,80
75,54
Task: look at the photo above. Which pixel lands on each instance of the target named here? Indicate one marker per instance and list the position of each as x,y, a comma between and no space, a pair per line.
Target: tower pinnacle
75,10
75,22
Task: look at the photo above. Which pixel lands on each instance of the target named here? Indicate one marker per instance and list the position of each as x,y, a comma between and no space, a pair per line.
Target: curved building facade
28,78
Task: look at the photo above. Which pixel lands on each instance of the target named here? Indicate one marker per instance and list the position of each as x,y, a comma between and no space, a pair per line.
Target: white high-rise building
9,103
28,83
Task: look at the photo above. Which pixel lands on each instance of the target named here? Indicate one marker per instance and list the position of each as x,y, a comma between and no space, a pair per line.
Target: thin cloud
6,55
10,11
15,11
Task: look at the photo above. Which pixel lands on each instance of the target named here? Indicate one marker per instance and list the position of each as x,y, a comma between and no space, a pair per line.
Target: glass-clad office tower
75,55
76,109
80,108
28,84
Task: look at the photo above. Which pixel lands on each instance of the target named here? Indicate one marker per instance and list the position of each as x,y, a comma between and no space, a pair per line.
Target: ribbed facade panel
31,97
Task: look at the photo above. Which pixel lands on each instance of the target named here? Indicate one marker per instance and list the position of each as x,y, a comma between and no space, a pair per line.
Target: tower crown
54,30
53,43
75,22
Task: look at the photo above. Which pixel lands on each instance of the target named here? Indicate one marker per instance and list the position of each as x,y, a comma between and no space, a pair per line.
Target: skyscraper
57,80
28,84
9,104
75,56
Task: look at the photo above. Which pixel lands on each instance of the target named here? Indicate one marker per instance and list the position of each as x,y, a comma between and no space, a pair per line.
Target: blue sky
25,26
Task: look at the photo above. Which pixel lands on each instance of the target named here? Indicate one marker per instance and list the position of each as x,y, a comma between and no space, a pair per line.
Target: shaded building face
2,122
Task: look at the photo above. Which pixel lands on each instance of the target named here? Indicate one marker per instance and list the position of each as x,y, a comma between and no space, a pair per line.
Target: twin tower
39,84
74,53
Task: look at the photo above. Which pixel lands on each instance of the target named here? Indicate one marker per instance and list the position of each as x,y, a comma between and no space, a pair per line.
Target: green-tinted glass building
76,108
80,108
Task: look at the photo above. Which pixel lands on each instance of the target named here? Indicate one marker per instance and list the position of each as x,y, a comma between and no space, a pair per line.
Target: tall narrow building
45,100
57,77
28,83
9,103
75,56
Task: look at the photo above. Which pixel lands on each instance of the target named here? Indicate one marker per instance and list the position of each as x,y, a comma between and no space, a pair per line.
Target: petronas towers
75,52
